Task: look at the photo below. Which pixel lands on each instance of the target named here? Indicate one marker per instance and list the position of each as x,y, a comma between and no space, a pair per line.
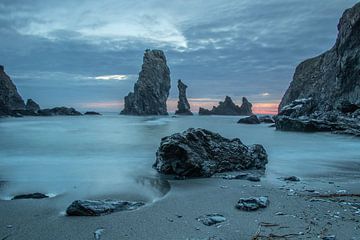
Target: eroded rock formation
152,87
228,107
201,153
183,104
325,92
31,105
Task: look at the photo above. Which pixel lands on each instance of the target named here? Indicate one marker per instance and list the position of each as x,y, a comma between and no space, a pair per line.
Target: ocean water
112,155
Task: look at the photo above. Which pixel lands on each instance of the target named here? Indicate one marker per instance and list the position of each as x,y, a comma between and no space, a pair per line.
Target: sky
87,54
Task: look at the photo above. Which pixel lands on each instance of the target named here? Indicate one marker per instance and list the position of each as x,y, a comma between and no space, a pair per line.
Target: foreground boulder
100,207
30,196
228,107
202,153
324,93
152,88
252,203
253,119
59,111
211,219
183,104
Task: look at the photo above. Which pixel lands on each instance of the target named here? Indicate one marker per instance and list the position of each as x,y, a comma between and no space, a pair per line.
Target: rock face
331,81
253,119
152,88
183,104
31,105
228,107
59,111
201,153
10,99
100,207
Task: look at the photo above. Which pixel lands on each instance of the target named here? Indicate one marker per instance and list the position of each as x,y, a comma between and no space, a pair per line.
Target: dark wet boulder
228,107
59,111
183,104
252,203
92,113
202,153
100,207
30,196
253,119
266,119
292,179
211,219
32,106
152,87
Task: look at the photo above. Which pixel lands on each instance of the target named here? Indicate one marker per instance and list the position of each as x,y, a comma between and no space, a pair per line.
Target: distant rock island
12,104
152,87
183,104
325,92
228,107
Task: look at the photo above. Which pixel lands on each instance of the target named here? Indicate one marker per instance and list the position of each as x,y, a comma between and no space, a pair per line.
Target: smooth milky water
110,155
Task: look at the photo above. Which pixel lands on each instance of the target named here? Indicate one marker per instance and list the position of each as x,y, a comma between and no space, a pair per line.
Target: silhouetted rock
30,196
201,153
228,107
253,119
100,207
152,88
31,105
325,90
10,99
59,111
183,104
92,113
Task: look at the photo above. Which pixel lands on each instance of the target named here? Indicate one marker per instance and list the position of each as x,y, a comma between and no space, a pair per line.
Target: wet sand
292,213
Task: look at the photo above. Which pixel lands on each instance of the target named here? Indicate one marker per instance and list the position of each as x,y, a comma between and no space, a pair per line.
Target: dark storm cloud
240,48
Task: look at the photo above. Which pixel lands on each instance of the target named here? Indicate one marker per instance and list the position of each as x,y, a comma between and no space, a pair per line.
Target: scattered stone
100,207
92,113
280,214
152,87
253,178
183,104
9,226
252,203
202,153
253,119
211,219
292,179
228,107
30,196
330,237
97,233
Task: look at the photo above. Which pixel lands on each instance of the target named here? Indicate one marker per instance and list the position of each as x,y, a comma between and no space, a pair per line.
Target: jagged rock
152,88
329,83
30,196
211,219
253,119
252,203
10,99
183,104
228,107
100,207
59,111
266,119
31,105
201,153
92,113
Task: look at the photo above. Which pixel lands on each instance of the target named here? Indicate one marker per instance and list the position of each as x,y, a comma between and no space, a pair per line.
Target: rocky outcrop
253,119
10,99
31,105
201,153
330,83
92,113
152,88
59,111
228,107
100,207
30,196
266,119
183,104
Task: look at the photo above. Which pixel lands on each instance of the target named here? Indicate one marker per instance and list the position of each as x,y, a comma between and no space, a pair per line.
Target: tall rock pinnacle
152,87
183,104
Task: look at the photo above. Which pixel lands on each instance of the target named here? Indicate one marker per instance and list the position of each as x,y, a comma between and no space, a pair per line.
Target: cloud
112,77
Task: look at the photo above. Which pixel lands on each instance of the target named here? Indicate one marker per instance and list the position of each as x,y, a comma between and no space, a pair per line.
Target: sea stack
10,99
152,87
228,107
325,92
183,104
31,105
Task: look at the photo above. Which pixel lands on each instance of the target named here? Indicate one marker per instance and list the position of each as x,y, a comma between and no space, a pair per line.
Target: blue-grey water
91,156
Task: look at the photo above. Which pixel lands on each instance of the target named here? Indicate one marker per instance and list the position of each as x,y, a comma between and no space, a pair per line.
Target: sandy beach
293,213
